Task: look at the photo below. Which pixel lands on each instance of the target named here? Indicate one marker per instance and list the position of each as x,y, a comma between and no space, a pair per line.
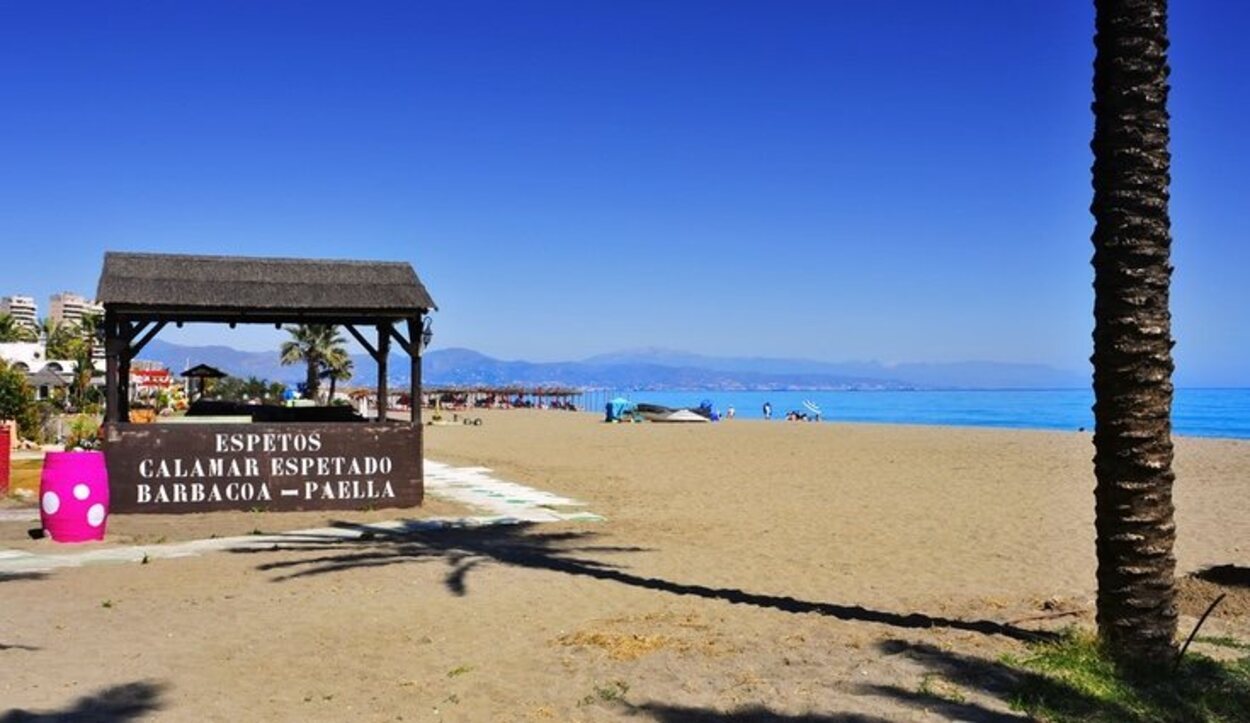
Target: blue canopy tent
617,408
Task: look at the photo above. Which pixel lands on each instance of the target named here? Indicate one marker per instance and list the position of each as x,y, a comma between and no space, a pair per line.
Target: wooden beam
403,343
133,329
138,346
360,338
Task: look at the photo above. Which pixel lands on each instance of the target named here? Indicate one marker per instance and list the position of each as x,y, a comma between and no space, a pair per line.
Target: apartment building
22,309
69,308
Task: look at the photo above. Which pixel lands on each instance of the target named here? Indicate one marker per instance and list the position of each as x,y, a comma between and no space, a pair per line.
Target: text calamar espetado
259,466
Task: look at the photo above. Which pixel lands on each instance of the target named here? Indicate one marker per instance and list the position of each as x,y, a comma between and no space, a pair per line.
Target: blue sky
902,181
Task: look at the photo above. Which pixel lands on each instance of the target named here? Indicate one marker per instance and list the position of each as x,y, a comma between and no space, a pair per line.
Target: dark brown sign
178,468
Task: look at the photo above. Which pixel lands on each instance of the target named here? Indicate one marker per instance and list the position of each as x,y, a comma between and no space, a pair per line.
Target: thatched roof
203,371
46,378
214,284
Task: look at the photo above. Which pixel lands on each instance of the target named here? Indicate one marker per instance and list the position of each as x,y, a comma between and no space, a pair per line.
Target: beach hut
201,373
304,461
45,382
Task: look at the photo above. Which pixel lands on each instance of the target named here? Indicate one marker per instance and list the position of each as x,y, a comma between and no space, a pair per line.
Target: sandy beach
745,570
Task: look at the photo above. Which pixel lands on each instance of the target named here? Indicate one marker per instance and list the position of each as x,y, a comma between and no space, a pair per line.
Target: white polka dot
81,491
51,503
95,515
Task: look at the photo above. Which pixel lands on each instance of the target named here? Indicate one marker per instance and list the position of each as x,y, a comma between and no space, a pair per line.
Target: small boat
683,415
660,413
653,412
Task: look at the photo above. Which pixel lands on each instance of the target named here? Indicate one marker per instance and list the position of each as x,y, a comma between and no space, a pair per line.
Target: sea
1195,412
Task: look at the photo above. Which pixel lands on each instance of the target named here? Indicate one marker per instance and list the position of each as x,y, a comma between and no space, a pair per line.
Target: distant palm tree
84,370
254,388
10,330
84,355
274,391
1132,333
13,330
87,325
338,368
59,339
311,344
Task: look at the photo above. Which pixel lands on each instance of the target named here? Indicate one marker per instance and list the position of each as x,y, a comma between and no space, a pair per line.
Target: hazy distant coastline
651,370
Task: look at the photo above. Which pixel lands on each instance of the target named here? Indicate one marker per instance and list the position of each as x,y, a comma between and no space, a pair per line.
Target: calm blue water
1196,412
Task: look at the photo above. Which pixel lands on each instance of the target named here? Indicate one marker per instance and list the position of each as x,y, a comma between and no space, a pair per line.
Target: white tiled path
508,503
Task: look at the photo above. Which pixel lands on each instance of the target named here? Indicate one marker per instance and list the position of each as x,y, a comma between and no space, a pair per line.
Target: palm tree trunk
310,379
1132,332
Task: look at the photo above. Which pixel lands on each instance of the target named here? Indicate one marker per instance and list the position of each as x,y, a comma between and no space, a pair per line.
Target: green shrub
84,433
17,401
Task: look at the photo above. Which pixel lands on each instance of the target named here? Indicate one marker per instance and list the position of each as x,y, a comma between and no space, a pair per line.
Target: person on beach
729,413
768,410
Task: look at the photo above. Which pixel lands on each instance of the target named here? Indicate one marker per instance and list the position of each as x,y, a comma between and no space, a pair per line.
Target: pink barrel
74,496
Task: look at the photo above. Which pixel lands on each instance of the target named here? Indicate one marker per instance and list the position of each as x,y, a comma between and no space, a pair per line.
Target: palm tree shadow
11,577
111,705
14,576
1009,685
17,646
996,680
683,714
522,545
1226,575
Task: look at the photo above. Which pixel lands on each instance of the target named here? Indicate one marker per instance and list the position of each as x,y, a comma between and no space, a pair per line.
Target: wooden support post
384,352
112,348
414,346
123,372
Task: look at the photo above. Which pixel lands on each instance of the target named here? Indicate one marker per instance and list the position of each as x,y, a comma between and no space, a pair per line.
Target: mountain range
653,369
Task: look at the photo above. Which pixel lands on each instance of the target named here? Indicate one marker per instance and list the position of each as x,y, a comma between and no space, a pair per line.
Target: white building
28,357
69,308
22,309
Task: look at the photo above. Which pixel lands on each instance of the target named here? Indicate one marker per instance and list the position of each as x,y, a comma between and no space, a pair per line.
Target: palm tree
84,355
312,344
1132,333
338,368
9,328
274,391
87,325
13,330
255,388
84,370
59,339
